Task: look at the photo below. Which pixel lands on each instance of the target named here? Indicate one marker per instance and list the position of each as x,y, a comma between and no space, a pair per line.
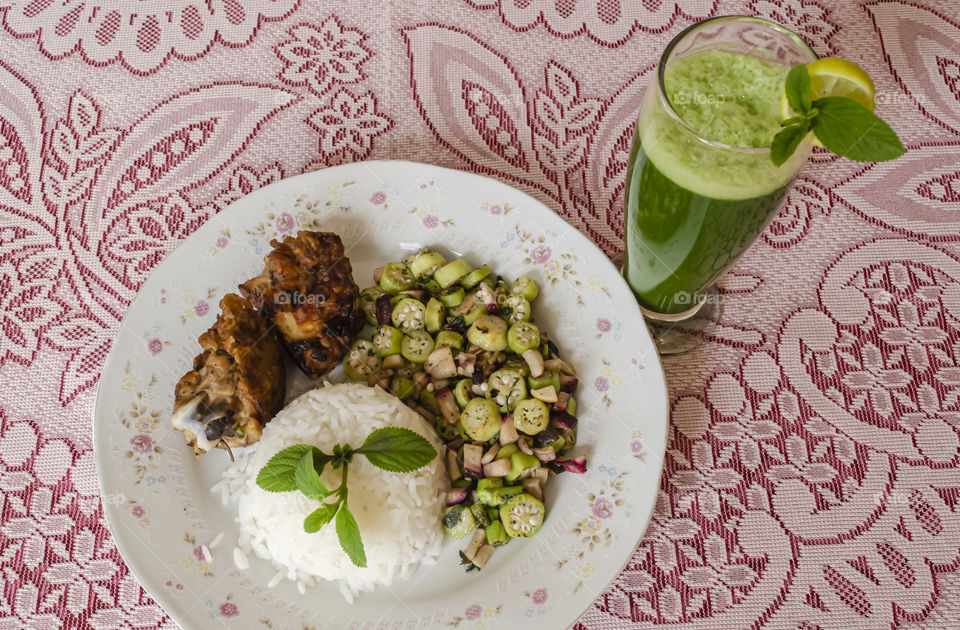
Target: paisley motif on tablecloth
84,223
922,49
820,485
474,101
142,39
607,22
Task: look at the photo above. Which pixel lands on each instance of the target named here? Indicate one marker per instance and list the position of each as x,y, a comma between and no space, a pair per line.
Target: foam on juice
728,97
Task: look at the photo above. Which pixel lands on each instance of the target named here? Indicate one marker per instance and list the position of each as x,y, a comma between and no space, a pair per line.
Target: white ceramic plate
157,496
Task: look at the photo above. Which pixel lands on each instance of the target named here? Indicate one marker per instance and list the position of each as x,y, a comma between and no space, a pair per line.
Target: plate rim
111,512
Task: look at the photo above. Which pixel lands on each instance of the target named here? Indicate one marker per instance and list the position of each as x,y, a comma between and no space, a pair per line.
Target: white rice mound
398,514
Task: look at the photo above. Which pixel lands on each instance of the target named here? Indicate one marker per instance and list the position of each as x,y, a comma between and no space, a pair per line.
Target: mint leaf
797,88
307,478
786,142
349,534
851,130
396,449
278,474
319,517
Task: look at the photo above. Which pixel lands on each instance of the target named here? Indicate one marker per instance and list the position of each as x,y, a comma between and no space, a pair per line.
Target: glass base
678,333
682,332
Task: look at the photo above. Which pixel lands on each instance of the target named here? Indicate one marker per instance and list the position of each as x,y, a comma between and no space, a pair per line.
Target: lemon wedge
833,76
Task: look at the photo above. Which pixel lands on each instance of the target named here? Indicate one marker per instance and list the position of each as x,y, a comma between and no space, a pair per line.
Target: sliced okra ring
361,361
523,336
396,278
416,346
408,314
387,342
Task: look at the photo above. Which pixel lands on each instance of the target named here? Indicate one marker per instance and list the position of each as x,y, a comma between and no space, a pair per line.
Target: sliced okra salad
459,346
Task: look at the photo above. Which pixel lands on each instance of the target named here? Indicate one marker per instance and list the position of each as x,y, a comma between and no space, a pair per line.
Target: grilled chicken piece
307,291
237,383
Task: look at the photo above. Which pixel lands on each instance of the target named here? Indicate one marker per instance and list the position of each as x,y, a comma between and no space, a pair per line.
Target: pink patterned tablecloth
812,474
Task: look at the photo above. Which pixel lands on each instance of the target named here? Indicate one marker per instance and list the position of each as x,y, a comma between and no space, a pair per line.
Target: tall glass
695,204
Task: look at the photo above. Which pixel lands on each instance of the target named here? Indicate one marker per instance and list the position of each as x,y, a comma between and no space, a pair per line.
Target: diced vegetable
387,342
498,496
483,554
481,419
448,406
496,468
471,458
466,361
478,309
545,454
568,383
408,315
546,437
452,297
453,466
401,387
416,346
473,278
524,337
506,388
458,520
367,302
433,315
525,287
396,278
546,394
532,487
521,466
457,495
489,332
440,363
531,416
449,339
534,362
425,263
576,465
519,311
496,534
506,450
480,514
525,443
461,392
490,453
563,420
478,540
361,361
508,432
451,272
522,516
420,295
546,379
486,295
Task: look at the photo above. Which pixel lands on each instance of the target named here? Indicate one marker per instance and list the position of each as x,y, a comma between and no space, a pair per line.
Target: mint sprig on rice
299,467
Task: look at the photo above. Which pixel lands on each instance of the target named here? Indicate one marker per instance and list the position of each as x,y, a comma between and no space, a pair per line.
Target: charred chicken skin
307,291
237,383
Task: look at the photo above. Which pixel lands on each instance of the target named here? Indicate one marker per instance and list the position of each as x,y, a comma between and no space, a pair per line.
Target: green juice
693,207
